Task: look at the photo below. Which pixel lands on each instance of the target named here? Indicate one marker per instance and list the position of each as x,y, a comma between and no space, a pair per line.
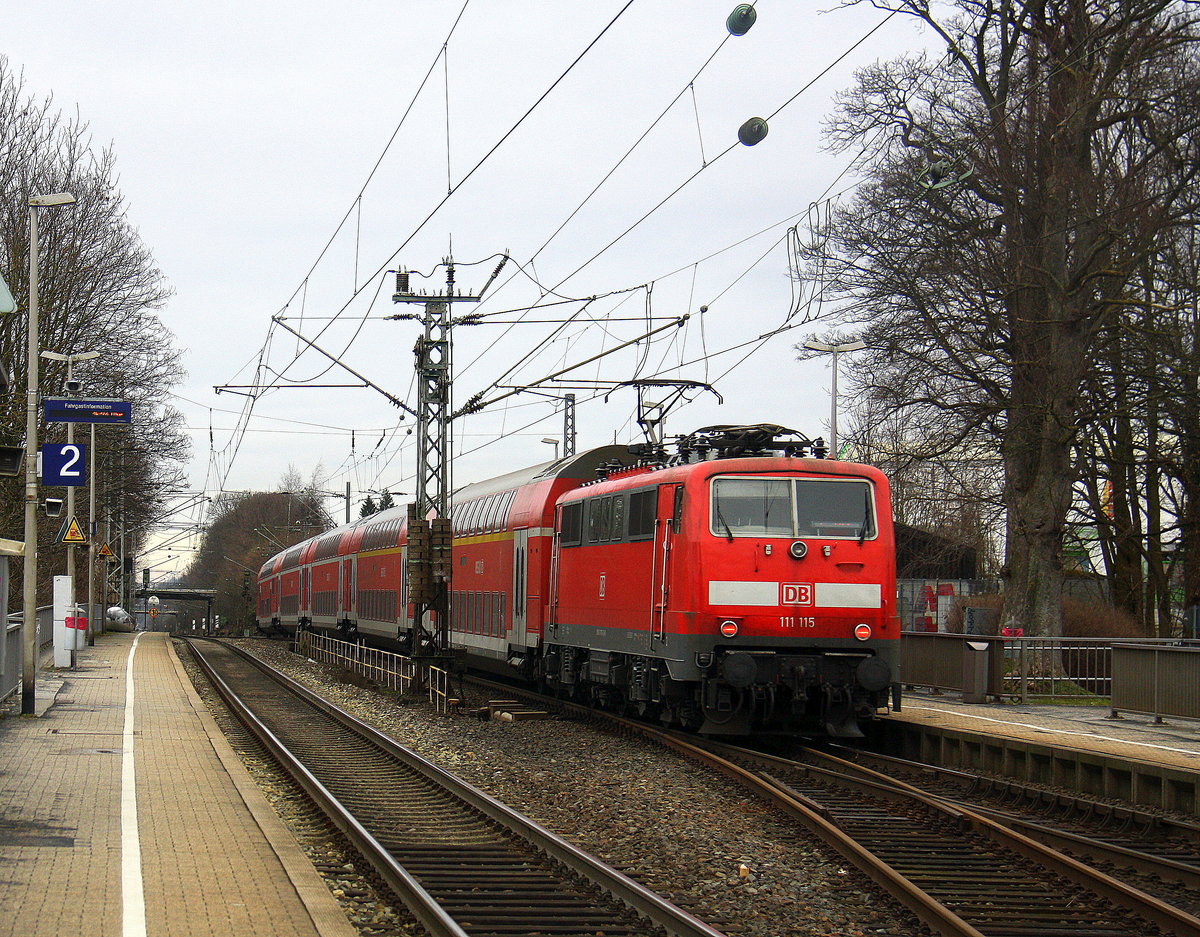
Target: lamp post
551,441
72,387
29,643
835,350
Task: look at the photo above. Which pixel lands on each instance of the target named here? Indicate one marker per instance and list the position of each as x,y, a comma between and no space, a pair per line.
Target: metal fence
439,689
1160,680
1021,668
389,670
13,650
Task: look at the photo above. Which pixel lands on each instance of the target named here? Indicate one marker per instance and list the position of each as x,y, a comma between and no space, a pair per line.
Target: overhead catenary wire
676,339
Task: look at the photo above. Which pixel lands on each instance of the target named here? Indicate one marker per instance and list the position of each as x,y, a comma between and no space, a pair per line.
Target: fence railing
439,689
1159,680
1023,668
390,670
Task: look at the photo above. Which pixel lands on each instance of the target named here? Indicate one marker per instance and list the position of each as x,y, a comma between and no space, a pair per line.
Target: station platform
1173,742
1132,759
123,811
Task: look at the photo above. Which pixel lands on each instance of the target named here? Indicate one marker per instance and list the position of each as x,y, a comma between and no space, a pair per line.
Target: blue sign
64,464
70,410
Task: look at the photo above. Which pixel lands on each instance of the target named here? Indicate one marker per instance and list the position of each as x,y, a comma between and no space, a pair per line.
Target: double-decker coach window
800,507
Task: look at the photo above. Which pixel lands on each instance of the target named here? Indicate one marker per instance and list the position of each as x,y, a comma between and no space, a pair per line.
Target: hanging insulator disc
753,131
741,19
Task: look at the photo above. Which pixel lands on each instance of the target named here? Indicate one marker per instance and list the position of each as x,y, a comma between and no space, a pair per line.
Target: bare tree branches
98,291
1070,131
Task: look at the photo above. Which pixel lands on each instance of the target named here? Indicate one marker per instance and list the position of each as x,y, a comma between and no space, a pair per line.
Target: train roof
578,466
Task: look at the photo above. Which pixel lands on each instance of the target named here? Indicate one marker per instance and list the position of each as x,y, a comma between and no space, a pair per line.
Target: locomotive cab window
571,524
642,505
799,507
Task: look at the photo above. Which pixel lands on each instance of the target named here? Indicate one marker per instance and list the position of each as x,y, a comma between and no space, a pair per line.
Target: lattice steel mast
429,531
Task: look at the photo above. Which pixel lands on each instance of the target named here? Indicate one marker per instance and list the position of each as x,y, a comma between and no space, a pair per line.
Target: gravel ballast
690,835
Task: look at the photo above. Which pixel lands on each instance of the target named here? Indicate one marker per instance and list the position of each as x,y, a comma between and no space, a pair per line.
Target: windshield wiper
862,531
721,518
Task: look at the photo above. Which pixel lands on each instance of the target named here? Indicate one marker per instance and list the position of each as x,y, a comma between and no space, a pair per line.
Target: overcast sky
245,132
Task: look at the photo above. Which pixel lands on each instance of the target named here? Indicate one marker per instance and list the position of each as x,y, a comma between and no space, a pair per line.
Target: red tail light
862,632
729,629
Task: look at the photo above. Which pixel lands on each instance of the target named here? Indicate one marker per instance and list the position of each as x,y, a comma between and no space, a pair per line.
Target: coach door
520,589
347,589
666,526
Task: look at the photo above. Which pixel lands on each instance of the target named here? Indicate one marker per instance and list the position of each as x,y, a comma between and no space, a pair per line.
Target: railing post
1024,667
1157,715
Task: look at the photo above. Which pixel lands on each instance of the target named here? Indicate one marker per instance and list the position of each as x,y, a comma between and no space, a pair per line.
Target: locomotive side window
571,525
801,507
641,513
617,531
595,519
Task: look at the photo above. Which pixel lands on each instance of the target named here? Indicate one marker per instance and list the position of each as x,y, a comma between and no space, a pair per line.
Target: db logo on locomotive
795,593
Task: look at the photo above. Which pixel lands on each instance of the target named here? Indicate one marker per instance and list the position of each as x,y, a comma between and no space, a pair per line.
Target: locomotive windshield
792,507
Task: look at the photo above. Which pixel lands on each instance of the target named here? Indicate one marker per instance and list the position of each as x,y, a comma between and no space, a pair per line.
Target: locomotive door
520,588
666,526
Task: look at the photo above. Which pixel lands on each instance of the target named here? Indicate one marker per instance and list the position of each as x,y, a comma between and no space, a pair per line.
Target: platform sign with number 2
64,464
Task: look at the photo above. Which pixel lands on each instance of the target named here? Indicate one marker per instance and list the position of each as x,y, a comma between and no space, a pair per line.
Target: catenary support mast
429,531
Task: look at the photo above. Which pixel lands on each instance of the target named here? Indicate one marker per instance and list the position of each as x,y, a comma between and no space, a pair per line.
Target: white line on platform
1026,725
133,899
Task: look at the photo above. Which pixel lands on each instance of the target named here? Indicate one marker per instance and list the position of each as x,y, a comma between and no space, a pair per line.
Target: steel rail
1033,796
1184,873
927,909
1171,919
931,912
1166,916
423,905
646,902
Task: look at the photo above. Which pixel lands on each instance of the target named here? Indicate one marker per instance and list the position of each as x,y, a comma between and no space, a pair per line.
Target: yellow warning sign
71,532
106,551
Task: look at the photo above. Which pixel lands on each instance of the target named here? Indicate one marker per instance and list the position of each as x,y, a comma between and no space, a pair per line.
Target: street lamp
71,387
550,441
835,350
29,646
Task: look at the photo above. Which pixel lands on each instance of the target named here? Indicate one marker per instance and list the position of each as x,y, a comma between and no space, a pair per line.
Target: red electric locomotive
744,585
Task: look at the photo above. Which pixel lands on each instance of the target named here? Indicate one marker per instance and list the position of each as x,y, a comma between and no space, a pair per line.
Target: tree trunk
1037,467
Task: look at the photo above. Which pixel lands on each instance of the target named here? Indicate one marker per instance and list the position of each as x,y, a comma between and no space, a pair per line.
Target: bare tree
244,530
99,289
1015,188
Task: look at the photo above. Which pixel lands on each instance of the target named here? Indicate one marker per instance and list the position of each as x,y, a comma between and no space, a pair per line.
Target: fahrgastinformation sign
71,410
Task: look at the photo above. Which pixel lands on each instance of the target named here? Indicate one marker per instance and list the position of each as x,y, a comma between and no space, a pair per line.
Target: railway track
994,877
1155,845
960,871
461,861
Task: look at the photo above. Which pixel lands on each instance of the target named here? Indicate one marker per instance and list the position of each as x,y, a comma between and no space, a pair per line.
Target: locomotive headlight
729,628
862,632
798,550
